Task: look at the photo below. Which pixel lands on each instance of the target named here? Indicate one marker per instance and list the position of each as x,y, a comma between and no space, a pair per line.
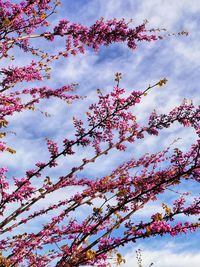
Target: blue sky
176,58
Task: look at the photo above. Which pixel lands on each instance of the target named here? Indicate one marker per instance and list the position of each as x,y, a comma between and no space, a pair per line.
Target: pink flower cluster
101,33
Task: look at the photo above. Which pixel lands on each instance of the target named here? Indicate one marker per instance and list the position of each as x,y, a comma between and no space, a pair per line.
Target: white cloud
163,257
160,13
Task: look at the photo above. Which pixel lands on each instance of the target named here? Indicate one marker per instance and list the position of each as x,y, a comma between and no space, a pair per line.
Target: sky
177,58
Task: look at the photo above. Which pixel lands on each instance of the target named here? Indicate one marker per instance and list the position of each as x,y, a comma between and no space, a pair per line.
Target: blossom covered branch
109,202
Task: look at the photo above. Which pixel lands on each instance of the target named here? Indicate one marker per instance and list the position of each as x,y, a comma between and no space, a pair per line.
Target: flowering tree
108,125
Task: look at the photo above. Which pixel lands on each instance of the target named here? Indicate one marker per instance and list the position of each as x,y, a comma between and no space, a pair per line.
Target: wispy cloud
166,256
